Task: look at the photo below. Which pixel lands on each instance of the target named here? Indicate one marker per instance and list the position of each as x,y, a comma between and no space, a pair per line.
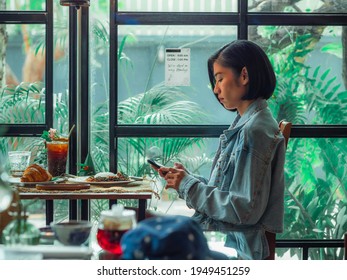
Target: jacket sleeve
246,198
199,178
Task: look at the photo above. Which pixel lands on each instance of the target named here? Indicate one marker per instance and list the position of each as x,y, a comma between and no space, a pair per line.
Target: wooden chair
285,128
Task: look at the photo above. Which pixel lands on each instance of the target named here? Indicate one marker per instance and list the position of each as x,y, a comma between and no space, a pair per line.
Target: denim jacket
244,196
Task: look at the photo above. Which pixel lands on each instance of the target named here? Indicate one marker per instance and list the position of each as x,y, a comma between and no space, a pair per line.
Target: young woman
244,196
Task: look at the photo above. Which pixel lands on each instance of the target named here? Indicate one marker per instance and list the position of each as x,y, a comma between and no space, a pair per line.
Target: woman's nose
216,89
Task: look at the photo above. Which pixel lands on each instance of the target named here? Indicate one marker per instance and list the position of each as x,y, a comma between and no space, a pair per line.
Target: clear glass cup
112,226
20,232
19,161
57,152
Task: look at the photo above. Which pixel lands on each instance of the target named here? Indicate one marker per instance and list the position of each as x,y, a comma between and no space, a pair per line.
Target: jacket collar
239,121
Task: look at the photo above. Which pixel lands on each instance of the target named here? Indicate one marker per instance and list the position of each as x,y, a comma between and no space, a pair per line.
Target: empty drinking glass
19,161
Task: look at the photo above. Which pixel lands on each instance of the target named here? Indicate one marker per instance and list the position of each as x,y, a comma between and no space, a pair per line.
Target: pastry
35,173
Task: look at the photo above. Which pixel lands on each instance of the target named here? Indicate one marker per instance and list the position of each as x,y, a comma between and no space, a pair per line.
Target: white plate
107,183
136,178
16,181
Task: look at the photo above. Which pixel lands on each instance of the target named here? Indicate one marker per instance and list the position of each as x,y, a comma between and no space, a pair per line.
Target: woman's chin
229,108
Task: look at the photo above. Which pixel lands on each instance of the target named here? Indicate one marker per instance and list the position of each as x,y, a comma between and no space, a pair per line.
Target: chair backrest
285,128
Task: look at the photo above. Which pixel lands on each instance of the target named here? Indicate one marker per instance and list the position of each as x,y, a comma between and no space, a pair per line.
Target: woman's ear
244,76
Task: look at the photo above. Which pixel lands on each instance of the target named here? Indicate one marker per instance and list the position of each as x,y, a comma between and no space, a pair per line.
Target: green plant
316,189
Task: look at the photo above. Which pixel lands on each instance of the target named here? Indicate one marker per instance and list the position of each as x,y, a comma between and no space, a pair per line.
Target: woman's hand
173,176
178,165
164,170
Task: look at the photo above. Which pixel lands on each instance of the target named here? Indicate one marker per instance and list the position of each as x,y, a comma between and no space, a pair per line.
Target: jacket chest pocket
227,169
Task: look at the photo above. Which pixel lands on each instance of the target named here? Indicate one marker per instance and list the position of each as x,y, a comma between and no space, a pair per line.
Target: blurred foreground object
19,231
72,233
168,238
7,196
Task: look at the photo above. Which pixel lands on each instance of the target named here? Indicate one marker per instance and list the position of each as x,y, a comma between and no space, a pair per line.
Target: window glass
302,6
61,66
22,5
141,69
315,198
22,90
99,83
196,154
33,144
326,253
309,64
23,86
284,254
177,5
37,212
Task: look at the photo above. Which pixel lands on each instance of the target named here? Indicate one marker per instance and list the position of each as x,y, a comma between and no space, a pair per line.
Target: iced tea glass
57,152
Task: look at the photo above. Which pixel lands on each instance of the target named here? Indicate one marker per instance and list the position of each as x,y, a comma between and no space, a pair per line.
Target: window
122,56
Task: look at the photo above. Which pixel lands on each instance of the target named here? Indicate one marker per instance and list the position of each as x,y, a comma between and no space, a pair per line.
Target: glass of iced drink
57,152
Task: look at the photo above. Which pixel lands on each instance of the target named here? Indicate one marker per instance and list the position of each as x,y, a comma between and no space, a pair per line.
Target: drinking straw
72,128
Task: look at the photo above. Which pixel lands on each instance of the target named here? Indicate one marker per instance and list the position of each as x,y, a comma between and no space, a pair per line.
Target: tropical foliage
316,189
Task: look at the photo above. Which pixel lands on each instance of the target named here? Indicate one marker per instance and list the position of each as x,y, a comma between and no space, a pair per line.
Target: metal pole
78,84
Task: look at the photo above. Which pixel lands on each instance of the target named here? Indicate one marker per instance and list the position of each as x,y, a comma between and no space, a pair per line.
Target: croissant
35,173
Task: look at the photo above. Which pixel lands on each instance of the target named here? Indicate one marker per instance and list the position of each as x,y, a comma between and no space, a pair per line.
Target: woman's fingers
174,177
179,165
163,171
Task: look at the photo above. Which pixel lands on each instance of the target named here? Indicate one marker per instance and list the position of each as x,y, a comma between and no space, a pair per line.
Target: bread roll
35,173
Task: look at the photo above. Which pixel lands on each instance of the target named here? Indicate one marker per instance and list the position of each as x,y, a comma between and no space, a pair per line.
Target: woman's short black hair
243,53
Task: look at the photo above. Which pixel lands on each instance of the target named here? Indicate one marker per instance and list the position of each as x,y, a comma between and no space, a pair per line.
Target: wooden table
85,197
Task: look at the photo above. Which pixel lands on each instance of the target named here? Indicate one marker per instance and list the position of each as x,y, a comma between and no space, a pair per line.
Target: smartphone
154,163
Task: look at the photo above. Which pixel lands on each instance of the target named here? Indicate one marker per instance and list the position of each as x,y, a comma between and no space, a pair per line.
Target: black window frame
34,17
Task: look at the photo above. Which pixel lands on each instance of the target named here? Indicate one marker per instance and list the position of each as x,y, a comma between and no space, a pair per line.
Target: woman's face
230,88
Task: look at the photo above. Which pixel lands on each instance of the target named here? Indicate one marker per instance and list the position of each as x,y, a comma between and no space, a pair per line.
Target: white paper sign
177,67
